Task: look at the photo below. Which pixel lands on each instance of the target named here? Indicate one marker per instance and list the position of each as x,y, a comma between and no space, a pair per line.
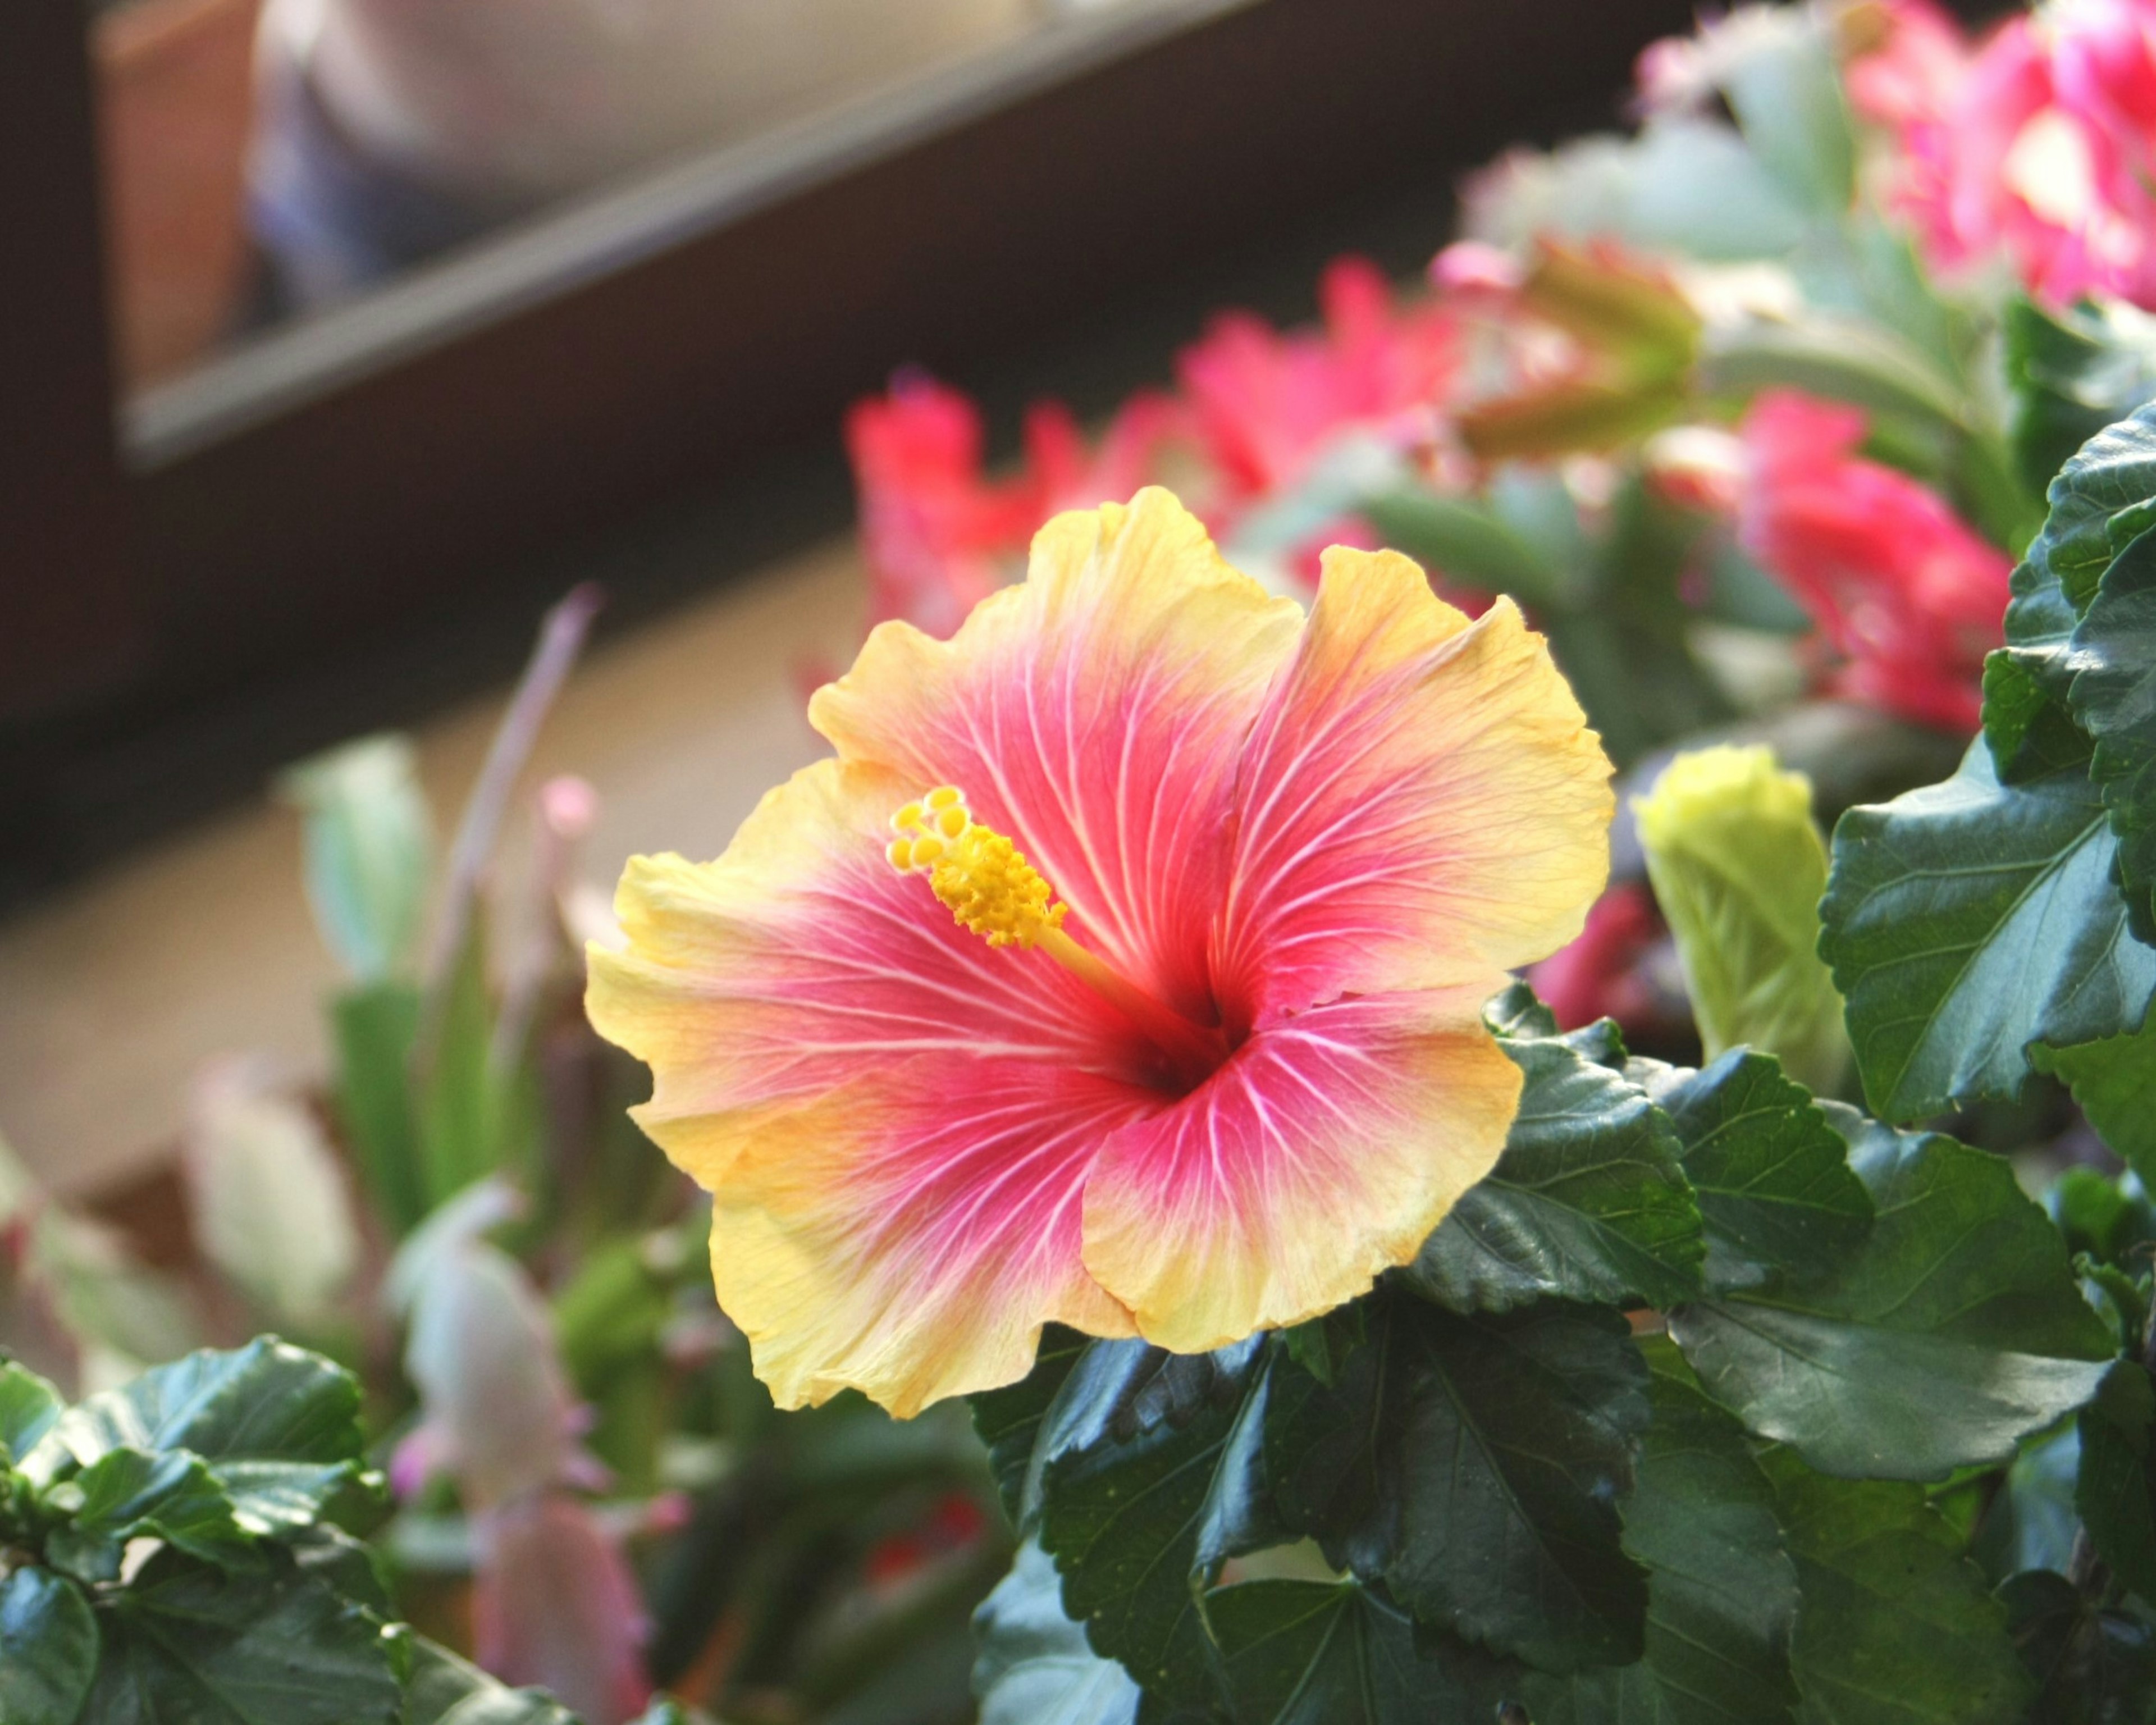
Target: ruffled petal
1094,714
1421,804
1323,1152
894,1119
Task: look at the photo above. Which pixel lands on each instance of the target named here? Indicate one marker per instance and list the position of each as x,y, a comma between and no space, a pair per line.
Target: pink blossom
1907,596
554,1604
2039,148
1598,976
1267,403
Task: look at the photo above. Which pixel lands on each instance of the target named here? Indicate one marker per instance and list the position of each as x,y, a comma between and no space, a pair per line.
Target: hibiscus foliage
1717,1400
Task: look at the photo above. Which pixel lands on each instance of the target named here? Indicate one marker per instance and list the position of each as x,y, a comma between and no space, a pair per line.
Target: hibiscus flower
1162,1015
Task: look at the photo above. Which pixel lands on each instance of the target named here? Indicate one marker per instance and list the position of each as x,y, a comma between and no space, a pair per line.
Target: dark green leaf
278,1426
1966,920
189,1645
374,1027
1008,1419
1894,1627
1319,1653
2073,372
1152,1477
2114,1081
2101,502
2094,1667
1771,1173
29,1408
1467,542
445,1690
2113,656
47,1648
1034,1666
1472,1465
1722,1594
1588,1202
130,1494
2116,1493
1956,1329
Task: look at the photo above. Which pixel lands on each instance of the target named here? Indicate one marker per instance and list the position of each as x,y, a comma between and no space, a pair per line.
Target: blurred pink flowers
1902,590
1258,408
2039,146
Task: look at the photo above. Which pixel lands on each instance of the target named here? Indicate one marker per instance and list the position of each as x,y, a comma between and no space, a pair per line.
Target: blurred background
344,337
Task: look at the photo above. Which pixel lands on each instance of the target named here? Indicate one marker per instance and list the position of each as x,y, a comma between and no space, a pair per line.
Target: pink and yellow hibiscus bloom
1250,876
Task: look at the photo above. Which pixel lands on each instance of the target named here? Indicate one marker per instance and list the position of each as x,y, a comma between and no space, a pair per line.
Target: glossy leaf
1318,1653
1008,1420
1034,1666
2114,1081
2073,372
278,1426
1956,1329
1152,1477
2112,657
445,1690
29,1408
1722,1593
1588,1202
1966,920
129,1494
2115,1489
1771,1174
1472,1465
1894,1626
189,1645
49,1648
1737,868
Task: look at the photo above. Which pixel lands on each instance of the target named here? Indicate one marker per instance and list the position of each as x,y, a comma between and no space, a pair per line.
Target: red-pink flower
2040,149
1267,403
1906,595
1169,1025
555,1604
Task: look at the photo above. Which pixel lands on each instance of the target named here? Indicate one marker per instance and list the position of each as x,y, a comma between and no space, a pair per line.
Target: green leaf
1969,920
189,1645
2072,373
1008,1420
369,846
129,1494
1467,542
278,1426
1771,1174
374,1029
1034,1666
2094,1666
2113,656
29,1408
1152,1477
2116,1492
1320,1653
2114,1081
1738,867
1472,1466
48,1646
1722,1593
1588,1202
445,1690
2100,503
1778,72
1837,356
1894,1627
1953,1331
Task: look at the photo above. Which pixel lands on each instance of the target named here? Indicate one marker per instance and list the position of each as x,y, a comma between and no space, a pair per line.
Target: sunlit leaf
1739,868
369,847
1034,1666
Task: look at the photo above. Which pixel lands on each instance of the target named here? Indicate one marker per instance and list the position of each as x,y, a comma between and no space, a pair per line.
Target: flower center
991,889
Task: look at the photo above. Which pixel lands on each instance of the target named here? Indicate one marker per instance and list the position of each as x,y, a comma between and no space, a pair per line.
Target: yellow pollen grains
990,888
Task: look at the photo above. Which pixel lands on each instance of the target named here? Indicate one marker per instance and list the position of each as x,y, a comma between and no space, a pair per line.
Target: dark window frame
390,462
